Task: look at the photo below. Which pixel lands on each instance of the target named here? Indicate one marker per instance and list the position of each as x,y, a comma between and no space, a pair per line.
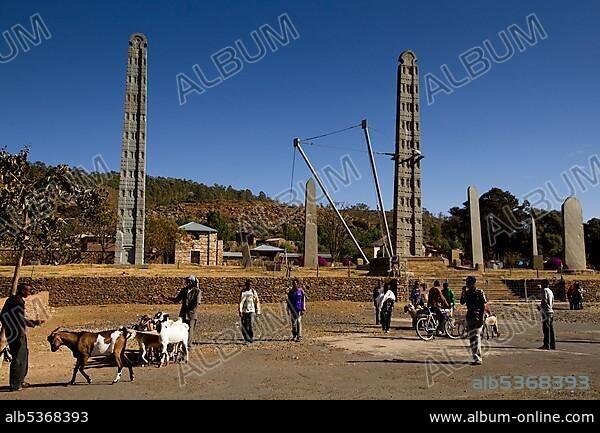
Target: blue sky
517,127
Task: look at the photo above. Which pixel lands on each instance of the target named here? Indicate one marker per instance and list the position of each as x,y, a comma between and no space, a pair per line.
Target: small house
198,244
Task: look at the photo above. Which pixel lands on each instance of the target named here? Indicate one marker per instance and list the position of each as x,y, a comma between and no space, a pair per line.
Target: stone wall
219,252
70,291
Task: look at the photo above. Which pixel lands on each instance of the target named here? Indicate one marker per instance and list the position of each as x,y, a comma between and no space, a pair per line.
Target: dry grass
168,271
237,271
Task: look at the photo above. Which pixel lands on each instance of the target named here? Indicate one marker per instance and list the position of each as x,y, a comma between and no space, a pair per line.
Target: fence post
525,284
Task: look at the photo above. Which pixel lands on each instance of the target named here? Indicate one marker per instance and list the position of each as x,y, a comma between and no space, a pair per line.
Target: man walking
377,295
190,297
296,307
249,306
547,316
14,324
475,300
387,307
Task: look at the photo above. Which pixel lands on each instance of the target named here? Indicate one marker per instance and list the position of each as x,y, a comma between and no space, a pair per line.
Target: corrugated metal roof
268,248
195,227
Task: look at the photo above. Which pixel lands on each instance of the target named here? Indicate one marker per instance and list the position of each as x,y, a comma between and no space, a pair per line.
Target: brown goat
85,345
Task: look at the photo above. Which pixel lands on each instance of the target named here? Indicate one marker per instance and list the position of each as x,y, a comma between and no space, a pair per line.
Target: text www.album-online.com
534,417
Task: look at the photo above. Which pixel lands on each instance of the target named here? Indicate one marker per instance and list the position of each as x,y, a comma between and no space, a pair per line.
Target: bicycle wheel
452,328
425,328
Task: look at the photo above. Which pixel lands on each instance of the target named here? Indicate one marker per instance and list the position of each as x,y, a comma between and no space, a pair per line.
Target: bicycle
455,328
427,326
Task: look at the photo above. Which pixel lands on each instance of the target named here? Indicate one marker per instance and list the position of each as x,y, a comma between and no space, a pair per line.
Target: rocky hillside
257,213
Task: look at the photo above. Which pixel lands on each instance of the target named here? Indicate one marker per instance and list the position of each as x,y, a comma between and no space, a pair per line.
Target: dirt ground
343,356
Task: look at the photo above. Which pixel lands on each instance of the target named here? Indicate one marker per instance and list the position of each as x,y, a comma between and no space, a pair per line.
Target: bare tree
30,200
99,218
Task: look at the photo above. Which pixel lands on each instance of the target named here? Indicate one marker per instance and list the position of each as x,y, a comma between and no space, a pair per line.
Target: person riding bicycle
436,302
449,296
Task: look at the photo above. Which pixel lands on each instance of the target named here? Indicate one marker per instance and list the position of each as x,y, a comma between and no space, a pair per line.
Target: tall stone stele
407,228
129,247
537,259
311,240
573,239
246,256
475,224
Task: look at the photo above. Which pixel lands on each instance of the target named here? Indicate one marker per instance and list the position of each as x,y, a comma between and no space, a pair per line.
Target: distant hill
161,191
231,210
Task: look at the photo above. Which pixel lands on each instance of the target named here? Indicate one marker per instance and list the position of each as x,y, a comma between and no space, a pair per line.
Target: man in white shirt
545,308
249,306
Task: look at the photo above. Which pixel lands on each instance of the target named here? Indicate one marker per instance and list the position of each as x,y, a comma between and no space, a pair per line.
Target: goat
148,341
85,345
414,313
175,333
146,324
172,348
146,336
490,326
161,317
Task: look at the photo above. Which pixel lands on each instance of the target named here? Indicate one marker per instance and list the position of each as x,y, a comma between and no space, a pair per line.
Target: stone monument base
538,263
578,271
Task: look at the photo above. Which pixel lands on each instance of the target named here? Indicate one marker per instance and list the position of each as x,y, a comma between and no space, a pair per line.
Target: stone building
198,244
407,231
129,247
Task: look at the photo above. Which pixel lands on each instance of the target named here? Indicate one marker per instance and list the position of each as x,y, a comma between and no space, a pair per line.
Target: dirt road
343,356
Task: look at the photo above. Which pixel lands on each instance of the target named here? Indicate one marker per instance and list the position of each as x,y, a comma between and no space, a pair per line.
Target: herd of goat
160,340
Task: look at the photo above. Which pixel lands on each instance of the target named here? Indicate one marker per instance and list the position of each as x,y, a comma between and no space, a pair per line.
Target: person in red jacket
436,301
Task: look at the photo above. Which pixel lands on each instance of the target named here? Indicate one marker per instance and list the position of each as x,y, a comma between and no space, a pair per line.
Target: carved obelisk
538,261
475,223
407,229
573,237
311,241
129,248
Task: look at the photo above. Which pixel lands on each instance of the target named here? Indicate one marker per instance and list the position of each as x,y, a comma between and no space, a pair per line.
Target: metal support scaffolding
384,224
322,186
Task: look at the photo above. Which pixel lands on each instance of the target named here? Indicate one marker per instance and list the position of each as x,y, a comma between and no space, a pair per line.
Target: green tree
218,222
455,229
501,218
332,233
432,229
161,235
592,242
291,233
549,232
